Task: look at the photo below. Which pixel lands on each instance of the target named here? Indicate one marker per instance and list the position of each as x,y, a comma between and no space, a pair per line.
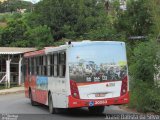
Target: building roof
15,50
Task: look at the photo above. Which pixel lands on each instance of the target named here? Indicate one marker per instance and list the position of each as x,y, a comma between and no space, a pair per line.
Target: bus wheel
33,103
96,109
52,110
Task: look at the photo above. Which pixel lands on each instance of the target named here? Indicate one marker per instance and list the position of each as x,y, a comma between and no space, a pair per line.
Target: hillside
14,5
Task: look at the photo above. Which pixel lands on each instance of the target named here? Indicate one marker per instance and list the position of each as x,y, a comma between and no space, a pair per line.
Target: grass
2,86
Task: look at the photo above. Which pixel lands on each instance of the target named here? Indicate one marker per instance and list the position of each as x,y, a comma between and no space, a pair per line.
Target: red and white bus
80,74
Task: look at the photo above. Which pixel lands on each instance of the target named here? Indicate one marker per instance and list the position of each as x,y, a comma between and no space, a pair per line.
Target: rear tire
52,110
33,103
96,109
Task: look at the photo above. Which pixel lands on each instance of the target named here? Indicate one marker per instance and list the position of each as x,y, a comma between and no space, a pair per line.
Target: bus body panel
57,87
104,90
26,87
74,103
41,90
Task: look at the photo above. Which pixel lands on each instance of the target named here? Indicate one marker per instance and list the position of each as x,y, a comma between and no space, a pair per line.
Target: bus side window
48,65
52,64
29,66
55,64
24,68
37,66
32,66
62,64
44,65
40,65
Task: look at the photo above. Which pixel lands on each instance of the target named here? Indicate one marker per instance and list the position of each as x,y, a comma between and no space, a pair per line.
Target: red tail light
74,89
124,86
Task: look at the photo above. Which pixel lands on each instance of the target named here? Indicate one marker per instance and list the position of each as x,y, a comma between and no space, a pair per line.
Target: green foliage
155,8
2,18
144,60
6,17
31,19
145,98
39,37
19,34
2,87
13,32
71,19
1,30
101,33
144,92
136,20
14,5
141,19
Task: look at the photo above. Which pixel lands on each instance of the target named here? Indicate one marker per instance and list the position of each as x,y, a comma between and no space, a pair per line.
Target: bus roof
34,53
88,42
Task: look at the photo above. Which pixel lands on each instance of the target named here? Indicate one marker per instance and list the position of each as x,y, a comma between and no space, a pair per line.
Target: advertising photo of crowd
89,71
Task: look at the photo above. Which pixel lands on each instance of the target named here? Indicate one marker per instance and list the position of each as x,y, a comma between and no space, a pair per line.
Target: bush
144,61
145,95
2,18
145,98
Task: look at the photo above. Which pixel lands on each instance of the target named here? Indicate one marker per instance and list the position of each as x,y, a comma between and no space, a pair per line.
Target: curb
11,92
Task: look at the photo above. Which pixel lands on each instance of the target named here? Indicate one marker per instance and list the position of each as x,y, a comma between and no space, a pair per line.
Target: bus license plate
99,95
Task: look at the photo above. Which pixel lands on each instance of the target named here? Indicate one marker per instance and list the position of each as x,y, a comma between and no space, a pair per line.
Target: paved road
16,105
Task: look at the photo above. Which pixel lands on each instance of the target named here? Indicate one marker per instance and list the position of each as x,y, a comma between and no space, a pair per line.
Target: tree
39,37
144,61
155,8
71,18
136,20
14,32
1,30
14,5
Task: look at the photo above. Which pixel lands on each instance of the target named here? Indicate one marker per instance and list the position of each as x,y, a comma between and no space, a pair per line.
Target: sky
33,1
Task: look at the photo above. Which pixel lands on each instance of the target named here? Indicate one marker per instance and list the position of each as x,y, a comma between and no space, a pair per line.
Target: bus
56,76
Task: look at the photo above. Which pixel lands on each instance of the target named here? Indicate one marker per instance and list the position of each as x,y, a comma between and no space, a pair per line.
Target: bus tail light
74,89
124,86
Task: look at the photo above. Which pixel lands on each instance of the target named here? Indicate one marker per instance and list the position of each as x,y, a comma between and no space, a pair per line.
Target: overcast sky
33,1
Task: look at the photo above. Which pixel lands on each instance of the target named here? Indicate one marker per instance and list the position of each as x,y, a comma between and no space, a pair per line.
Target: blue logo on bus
42,83
91,103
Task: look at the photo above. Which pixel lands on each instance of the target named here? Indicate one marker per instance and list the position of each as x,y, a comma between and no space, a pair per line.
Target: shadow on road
76,112
79,112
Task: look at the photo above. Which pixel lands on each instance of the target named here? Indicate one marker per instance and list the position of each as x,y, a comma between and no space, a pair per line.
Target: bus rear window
97,63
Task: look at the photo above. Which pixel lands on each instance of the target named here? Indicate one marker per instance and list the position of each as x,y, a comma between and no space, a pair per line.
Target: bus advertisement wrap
97,63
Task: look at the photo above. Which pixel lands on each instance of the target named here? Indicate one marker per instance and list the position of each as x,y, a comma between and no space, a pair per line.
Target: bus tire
96,109
52,110
33,103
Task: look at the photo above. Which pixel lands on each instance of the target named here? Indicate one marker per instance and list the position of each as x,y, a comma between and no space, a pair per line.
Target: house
11,64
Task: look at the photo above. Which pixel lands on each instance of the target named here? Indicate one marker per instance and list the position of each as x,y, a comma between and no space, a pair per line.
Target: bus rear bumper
75,103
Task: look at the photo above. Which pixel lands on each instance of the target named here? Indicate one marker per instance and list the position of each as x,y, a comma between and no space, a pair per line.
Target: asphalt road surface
17,107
